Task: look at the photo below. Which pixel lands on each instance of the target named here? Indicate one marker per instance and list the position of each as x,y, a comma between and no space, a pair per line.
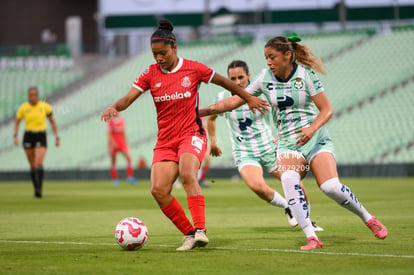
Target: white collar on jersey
179,65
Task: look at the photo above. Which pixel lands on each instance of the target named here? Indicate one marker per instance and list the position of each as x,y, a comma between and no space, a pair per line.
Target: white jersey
250,134
291,101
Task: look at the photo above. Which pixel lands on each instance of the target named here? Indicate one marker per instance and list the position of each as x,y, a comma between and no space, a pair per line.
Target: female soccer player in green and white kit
251,137
292,88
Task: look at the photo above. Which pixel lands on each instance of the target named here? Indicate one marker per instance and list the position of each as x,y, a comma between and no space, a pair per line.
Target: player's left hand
259,104
57,142
215,150
109,113
305,135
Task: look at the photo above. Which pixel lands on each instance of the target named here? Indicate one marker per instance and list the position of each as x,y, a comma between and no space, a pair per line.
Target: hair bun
165,24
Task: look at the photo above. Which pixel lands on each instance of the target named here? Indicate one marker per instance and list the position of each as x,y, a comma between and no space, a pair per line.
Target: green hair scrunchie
294,37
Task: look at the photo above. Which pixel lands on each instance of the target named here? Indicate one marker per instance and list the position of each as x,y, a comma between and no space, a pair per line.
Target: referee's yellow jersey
34,116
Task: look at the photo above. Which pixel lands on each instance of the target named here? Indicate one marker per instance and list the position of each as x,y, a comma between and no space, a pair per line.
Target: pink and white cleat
377,228
313,243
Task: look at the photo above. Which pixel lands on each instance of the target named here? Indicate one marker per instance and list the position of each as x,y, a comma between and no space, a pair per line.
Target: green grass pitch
71,231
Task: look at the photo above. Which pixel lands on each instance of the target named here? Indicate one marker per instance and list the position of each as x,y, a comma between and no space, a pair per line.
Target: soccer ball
131,233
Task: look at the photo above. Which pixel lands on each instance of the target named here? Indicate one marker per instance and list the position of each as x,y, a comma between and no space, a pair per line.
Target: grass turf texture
71,231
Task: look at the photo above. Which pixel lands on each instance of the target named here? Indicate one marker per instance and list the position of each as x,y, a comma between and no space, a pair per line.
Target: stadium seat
360,67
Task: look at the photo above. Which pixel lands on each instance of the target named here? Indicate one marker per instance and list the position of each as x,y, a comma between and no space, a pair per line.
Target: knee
158,193
38,163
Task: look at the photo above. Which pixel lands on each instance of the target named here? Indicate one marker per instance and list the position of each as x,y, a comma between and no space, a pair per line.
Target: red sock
196,204
130,171
175,212
114,173
203,172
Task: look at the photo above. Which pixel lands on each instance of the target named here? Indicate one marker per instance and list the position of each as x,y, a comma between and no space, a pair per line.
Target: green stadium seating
381,62
78,114
14,85
360,67
366,133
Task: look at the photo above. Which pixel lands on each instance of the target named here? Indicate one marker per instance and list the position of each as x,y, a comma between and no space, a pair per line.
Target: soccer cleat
200,238
291,220
188,244
116,183
313,243
132,180
317,227
377,228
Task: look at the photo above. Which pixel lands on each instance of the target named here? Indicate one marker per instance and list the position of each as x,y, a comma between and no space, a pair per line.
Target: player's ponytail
164,33
300,53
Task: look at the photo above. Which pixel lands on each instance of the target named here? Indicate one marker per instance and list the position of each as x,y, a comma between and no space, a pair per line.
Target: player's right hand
215,151
259,104
109,113
16,141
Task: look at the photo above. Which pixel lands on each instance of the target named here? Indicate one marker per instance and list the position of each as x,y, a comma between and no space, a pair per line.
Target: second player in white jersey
250,134
252,143
292,87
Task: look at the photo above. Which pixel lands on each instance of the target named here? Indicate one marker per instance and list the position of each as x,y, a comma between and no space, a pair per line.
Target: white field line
227,248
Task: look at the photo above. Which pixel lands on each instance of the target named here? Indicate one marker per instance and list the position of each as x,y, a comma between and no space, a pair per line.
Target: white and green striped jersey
250,134
291,100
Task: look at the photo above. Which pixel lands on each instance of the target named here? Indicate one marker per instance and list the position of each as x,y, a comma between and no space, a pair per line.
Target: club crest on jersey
299,83
157,85
186,82
197,143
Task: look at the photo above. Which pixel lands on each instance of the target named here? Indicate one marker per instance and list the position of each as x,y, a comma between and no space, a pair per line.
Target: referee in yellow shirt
35,113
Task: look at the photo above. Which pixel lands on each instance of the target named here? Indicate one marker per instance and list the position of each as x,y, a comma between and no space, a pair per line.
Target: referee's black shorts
34,139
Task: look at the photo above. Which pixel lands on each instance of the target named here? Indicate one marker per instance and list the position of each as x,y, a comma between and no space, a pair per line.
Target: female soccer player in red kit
117,143
173,82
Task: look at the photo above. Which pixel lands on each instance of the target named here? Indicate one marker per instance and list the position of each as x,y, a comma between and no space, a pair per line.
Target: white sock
344,196
278,200
297,202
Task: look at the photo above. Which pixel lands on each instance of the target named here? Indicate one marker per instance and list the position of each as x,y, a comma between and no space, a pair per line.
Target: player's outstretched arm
215,150
121,104
254,102
222,106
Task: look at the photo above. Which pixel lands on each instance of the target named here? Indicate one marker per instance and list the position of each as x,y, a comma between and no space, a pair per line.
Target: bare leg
163,175
253,177
31,159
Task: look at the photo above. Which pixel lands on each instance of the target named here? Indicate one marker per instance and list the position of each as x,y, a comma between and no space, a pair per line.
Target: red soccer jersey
116,127
175,96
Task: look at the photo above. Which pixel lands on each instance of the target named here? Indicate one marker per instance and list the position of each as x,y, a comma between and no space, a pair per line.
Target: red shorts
195,144
121,146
